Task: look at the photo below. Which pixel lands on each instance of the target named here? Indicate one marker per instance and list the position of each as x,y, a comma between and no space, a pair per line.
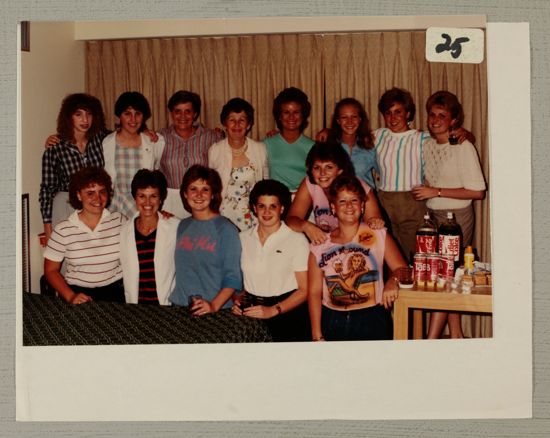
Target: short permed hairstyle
184,96
270,187
292,94
329,151
70,105
211,177
450,102
145,178
349,183
364,138
237,105
137,101
397,95
86,177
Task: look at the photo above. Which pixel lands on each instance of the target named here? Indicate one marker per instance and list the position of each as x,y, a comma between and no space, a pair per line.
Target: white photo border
321,381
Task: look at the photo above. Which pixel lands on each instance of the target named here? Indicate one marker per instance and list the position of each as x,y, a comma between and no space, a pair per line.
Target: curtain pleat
327,67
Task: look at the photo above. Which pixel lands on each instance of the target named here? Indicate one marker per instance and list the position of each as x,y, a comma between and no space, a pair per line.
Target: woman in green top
287,150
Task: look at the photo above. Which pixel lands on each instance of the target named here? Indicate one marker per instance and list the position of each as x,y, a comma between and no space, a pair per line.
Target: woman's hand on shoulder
166,214
464,134
153,136
260,312
80,298
271,133
51,141
315,235
219,132
322,135
376,223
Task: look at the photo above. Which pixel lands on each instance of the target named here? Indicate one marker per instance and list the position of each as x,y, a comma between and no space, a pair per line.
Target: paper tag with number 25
449,44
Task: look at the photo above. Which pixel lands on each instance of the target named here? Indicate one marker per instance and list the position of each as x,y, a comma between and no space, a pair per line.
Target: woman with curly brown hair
80,132
88,241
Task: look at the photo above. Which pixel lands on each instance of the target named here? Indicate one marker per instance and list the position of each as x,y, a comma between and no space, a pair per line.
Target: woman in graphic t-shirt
324,162
347,297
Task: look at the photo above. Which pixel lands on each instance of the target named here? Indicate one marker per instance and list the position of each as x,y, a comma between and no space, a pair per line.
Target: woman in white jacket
128,149
240,161
147,243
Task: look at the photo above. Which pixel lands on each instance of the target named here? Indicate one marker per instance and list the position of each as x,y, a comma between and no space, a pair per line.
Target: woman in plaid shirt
130,149
80,130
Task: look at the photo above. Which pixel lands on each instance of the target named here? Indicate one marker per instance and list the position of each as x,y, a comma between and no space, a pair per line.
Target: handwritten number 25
455,48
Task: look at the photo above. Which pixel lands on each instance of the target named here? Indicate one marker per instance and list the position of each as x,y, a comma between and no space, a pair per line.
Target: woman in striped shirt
88,241
399,150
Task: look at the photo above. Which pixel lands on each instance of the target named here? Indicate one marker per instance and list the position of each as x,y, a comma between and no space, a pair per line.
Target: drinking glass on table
405,277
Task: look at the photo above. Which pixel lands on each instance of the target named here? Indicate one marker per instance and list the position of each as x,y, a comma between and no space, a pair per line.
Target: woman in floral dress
240,161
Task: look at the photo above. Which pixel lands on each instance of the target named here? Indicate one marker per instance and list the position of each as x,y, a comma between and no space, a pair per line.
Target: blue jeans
369,324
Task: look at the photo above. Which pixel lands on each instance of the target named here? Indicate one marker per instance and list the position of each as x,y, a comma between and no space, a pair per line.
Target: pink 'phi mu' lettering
202,242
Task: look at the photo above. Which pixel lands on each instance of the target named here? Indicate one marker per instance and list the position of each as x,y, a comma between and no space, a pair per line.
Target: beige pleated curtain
327,67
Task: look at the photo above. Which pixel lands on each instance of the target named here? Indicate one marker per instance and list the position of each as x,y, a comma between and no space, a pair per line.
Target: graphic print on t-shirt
324,218
351,273
204,243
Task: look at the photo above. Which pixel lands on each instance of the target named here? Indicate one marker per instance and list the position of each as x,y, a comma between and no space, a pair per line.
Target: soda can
420,270
432,270
447,265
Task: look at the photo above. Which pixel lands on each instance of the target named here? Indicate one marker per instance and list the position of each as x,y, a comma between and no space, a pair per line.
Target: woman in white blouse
240,161
453,175
453,179
274,265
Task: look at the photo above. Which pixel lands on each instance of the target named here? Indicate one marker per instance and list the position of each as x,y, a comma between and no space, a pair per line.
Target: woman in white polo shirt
88,241
274,265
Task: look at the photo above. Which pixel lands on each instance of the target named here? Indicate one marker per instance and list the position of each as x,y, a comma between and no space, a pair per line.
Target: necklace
237,152
145,231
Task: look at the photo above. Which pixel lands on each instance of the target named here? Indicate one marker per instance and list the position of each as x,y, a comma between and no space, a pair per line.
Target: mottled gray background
536,12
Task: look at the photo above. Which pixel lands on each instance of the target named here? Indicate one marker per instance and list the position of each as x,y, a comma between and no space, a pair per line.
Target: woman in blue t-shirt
208,249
